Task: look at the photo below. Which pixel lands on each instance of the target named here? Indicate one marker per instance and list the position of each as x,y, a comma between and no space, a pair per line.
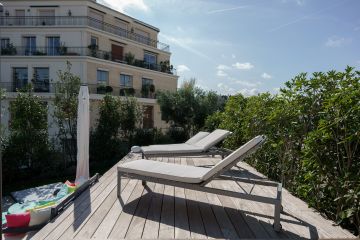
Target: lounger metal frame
219,175
223,152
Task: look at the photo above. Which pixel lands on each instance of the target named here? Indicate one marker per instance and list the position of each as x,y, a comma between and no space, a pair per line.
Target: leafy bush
27,148
312,127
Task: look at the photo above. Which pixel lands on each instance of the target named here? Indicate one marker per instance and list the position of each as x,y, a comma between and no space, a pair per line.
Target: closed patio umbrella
83,127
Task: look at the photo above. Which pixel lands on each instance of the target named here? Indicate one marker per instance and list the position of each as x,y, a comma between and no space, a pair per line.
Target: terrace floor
171,212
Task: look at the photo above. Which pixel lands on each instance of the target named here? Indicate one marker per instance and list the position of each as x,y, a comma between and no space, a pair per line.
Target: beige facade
105,47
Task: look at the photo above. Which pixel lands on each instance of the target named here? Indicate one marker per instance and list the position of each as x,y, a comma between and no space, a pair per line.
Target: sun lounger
196,178
198,145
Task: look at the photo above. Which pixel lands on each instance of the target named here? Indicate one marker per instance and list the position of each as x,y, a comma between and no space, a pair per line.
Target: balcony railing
82,21
46,87
84,51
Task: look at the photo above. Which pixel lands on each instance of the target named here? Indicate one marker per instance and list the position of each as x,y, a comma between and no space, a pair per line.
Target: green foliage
313,131
65,112
189,106
27,148
115,128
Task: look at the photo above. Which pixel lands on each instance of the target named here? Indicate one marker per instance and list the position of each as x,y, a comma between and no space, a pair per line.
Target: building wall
76,37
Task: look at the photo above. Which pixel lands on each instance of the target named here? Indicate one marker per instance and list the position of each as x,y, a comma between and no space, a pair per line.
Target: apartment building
111,52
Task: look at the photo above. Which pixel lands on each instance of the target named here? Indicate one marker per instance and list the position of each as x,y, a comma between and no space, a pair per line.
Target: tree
189,106
66,103
27,147
115,114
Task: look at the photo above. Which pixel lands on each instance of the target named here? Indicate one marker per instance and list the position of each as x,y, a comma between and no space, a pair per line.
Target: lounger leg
277,226
119,185
143,183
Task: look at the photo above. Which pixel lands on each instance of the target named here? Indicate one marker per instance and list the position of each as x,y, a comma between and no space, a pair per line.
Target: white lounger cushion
197,137
212,139
169,171
248,147
171,148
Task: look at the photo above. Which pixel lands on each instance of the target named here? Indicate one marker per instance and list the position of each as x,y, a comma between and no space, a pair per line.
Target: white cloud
243,66
249,92
182,68
222,67
337,41
246,83
225,89
266,76
221,73
125,4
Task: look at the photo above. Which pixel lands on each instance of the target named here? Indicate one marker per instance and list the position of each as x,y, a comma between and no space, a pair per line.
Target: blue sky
252,46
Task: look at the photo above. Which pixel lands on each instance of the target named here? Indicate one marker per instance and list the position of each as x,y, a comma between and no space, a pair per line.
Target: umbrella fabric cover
83,126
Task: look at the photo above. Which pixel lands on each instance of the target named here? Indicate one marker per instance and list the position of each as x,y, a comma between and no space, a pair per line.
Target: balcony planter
9,50
127,92
101,89
39,53
93,50
166,67
62,50
129,58
108,89
139,63
106,56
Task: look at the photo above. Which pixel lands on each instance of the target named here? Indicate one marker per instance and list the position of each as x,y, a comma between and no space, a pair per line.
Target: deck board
160,211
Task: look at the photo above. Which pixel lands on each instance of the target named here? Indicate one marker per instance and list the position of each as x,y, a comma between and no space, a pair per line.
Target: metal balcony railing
81,21
46,87
84,51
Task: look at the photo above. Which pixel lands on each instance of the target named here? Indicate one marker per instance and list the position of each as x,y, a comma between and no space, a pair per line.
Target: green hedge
313,147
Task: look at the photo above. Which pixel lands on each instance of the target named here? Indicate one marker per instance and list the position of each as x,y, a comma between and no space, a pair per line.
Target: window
4,43
53,45
93,41
41,80
142,36
150,60
30,45
96,20
102,77
148,88
147,81
126,81
20,78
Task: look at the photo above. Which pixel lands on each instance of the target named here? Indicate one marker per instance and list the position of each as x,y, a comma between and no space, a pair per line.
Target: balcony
46,87
86,51
82,21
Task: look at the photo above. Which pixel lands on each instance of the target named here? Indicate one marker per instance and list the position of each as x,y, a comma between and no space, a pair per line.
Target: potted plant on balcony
8,50
127,92
101,89
62,49
129,58
139,63
93,50
39,53
108,89
166,67
106,55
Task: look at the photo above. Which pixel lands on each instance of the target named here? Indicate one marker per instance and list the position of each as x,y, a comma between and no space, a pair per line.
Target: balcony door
117,53
20,17
20,78
30,45
47,17
53,46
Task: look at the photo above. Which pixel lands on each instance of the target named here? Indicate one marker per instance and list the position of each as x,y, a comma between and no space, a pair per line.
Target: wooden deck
171,212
